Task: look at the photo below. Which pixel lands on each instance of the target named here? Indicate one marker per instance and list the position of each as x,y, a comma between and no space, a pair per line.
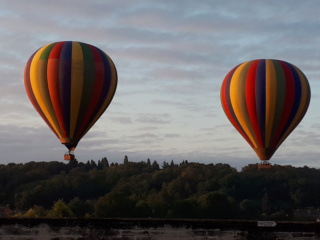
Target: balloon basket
264,165
69,157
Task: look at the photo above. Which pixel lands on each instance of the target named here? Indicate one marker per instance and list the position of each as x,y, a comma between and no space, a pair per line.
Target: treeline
148,190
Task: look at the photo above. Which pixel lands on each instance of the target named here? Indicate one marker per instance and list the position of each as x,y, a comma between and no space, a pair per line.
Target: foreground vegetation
147,190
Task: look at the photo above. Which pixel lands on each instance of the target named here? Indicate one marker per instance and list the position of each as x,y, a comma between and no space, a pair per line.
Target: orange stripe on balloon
270,100
77,70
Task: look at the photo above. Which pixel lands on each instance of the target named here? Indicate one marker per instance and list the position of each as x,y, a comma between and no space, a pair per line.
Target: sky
171,58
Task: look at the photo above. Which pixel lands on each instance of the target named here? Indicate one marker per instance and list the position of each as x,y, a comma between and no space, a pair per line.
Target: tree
186,208
215,205
81,208
148,162
35,212
125,160
114,205
103,163
93,164
165,164
155,165
250,209
265,203
60,209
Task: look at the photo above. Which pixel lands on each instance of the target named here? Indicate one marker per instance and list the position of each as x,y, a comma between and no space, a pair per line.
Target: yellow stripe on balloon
44,91
34,81
77,70
235,97
270,100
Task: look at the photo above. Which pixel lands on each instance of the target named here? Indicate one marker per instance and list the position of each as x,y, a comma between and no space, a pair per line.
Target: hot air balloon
70,84
265,100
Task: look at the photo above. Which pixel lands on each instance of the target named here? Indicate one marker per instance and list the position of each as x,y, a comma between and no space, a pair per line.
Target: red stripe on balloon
53,85
251,100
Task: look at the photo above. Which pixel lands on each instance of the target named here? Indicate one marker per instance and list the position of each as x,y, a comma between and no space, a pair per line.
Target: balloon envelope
70,84
265,100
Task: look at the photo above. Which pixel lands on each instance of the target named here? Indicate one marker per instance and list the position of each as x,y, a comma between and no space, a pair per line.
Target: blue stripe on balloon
296,100
261,97
65,82
106,86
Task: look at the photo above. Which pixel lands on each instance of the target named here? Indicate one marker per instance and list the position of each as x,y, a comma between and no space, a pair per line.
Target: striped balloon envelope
70,84
265,100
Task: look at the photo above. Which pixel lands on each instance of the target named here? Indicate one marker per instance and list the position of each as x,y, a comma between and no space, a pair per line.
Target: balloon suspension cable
264,165
69,155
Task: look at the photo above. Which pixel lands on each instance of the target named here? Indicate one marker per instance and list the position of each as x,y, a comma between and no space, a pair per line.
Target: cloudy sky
171,58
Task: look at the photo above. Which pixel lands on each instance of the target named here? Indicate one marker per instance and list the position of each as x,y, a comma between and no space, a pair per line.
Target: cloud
171,57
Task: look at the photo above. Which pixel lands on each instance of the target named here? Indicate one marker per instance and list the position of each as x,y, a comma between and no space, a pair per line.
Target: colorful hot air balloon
70,84
265,100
